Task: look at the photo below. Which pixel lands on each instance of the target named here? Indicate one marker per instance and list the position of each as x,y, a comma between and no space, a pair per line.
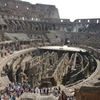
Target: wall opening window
61,20
17,6
0,27
12,16
5,26
36,19
87,25
27,8
88,21
23,18
97,21
5,4
2,16
79,21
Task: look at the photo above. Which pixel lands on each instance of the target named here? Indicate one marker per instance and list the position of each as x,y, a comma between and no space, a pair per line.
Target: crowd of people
14,90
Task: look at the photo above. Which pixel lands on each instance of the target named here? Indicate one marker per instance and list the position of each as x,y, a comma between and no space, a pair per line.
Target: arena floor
65,48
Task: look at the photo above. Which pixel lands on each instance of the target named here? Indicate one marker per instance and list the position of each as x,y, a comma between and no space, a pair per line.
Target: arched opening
27,8
18,74
2,16
0,27
97,21
5,4
46,28
61,20
36,28
79,21
88,20
5,27
1,54
53,26
9,73
17,6
32,18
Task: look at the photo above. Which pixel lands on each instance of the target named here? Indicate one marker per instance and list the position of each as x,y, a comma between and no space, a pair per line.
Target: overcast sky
74,9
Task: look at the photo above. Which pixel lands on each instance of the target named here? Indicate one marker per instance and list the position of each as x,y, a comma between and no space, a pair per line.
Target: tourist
13,97
14,90
0,96
47,91
43,90
68,98
59,89
60,97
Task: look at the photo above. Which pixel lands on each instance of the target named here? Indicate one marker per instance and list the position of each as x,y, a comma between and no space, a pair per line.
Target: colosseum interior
39,48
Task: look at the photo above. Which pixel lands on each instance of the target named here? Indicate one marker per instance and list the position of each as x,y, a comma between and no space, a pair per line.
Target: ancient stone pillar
21,77
14,76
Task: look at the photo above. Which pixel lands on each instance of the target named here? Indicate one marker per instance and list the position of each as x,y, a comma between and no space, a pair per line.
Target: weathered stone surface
32,96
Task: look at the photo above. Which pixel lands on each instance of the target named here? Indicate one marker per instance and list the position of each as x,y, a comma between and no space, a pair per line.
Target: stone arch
24,60
8,23
23,64
36,27
33,26
46,26
40,26
15,68
43,27
28,25
19,27
0,27
5,27
7,69
21,24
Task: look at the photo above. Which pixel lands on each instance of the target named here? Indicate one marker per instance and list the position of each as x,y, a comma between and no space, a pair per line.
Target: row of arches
3,27
32,25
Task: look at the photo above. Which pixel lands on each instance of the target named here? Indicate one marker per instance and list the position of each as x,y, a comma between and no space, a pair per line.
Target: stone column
14,76
32,78
21,77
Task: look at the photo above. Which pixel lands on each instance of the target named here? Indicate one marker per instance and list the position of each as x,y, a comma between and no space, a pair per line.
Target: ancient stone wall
88,93
27,10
